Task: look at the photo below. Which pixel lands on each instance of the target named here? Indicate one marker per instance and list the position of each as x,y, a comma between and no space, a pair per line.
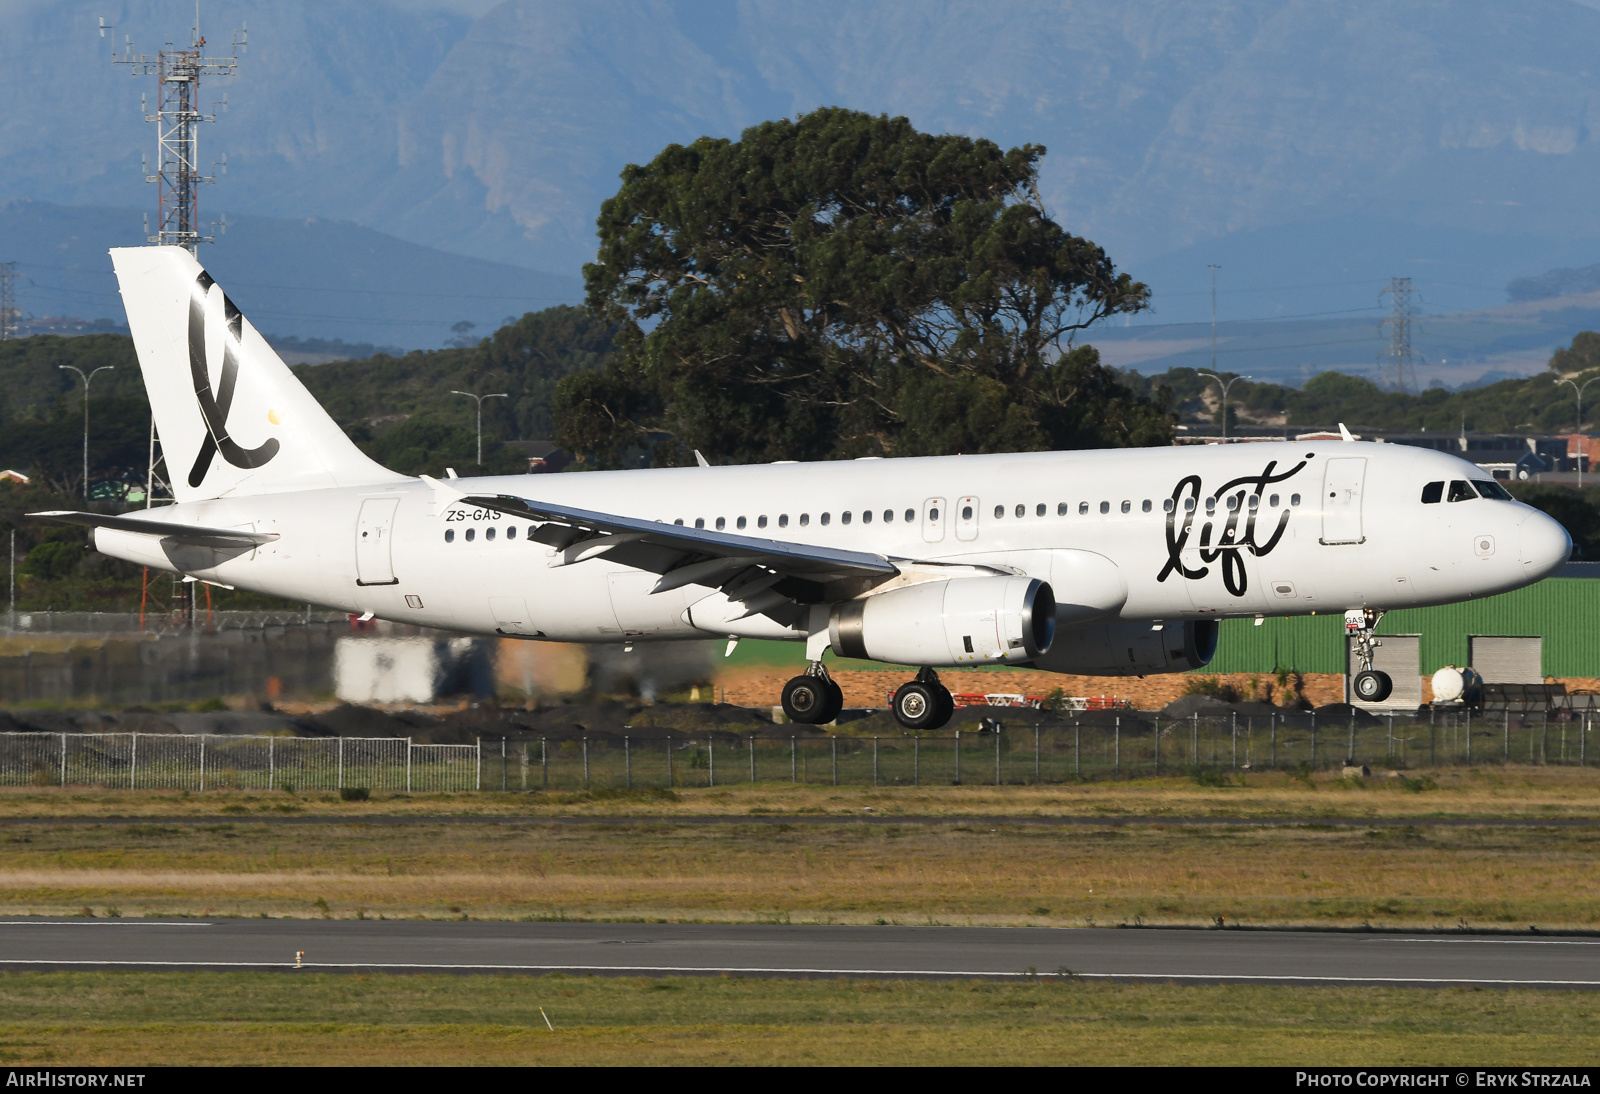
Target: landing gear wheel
922,706
1372,686
835,703
947,708
809,699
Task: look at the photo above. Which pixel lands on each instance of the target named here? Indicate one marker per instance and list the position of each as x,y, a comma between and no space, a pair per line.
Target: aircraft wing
188,534
682,555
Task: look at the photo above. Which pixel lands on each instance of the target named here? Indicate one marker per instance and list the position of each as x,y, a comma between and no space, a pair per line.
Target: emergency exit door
1342,483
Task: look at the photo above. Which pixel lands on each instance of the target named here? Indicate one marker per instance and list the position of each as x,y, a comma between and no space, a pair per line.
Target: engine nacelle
959,621
1131,649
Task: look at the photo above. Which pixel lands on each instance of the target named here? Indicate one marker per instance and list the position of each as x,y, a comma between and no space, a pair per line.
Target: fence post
1431,755
133,762
1352,752
997,730
1036,752
1583,740
544,763
1158,744
958,757
478,786
1194,739
203,758
524,756
1313,740
794,761
272,762
835,743
750,744
586,763
1469,735
627,762
502,761
1508,734
340,777
874,761
1116,746
1391,737
916,761
1235,731
711,762
409,746
669,761
63,759
1272,728
1077,749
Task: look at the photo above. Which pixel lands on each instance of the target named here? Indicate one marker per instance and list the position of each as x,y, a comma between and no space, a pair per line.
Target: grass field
130,1020
659,865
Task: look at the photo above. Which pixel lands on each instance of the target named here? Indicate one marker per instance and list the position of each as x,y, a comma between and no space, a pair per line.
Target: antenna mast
1399,324
8,301
178,116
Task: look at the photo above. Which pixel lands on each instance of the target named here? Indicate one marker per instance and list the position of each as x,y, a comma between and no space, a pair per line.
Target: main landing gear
813,699
1369,685
923,703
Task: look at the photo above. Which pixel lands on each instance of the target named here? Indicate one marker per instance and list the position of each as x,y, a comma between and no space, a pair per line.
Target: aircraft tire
918,706
947,708
835,702
1372,686
807,699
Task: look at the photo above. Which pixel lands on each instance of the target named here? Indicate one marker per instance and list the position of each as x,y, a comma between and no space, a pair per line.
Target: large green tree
841,285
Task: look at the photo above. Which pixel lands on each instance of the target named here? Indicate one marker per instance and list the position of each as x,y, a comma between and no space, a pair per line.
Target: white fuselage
1324,537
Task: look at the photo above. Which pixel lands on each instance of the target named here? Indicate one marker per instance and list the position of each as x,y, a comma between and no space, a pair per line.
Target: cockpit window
1461,490
1491,489
1433,493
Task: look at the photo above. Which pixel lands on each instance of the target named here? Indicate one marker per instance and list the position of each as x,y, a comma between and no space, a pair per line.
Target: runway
647,949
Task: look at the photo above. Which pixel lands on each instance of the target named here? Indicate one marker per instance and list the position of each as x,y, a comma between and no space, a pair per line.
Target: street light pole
1224,385
480,399
86,379
1583,444
1214,267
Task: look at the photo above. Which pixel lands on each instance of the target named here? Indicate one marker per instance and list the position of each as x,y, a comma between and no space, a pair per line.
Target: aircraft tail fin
232,418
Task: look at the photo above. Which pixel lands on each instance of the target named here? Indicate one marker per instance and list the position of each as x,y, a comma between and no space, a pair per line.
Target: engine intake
1132,649
960,621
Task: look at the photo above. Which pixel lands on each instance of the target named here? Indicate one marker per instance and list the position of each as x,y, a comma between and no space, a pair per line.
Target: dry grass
968,873
1512,791
133,1020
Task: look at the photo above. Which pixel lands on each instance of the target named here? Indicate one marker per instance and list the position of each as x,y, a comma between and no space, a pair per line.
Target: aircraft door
933,520
511,616
967,518
374,532
1342,483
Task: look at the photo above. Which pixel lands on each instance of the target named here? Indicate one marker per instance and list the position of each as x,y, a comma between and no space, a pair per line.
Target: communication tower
178,116
1399,323
8,301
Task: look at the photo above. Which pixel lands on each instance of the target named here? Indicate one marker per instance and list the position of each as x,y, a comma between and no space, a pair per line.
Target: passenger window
1039,510
1188,505
1105,507
1145,507
911,515
933,514
1127,506
966,512
1273,501
1083,508
739,524
825,519
866,516
1433,493
1211,506
679,522
1255,501
888,516
783,520
805,519
699,522
1461,490
844,517
999,511
761,521
721,523
1294,499
1022,510
1233,502
1168,505
470,534
511,532
1061,509
488,533
449,535
1491,489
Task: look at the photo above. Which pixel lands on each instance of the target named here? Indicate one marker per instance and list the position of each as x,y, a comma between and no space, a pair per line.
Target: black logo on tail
214,406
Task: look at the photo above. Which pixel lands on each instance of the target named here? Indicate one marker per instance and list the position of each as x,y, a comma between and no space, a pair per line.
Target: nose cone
1545,545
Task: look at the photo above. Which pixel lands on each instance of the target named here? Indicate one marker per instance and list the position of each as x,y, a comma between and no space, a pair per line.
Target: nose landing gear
813,699
923,703
1369,685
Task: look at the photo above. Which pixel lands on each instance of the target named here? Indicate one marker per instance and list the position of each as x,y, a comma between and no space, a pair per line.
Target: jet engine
1131,649
958,621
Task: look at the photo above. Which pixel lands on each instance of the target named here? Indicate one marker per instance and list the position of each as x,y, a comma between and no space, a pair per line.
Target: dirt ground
758,686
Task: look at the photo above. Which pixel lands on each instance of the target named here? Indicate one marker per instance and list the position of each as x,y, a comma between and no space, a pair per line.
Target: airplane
1102,563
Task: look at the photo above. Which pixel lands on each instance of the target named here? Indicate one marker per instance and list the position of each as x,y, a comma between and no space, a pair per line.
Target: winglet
701,460
1345,433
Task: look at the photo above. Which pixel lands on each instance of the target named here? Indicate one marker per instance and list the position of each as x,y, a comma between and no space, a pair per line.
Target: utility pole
1399,324
480,399
86,379
1224,385
178,117
8,301
1582,441
1214,268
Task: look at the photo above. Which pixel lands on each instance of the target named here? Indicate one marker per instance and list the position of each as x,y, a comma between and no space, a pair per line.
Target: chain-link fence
1018,752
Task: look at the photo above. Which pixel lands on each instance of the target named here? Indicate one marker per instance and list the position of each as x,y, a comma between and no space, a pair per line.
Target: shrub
354,793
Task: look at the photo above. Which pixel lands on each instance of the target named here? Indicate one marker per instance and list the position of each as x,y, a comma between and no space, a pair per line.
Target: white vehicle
1103,563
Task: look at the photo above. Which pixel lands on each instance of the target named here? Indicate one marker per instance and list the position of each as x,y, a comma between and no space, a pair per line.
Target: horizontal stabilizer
189,534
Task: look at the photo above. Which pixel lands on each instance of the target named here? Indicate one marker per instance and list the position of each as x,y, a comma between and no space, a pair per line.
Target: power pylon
178,116
1398,364
8,301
